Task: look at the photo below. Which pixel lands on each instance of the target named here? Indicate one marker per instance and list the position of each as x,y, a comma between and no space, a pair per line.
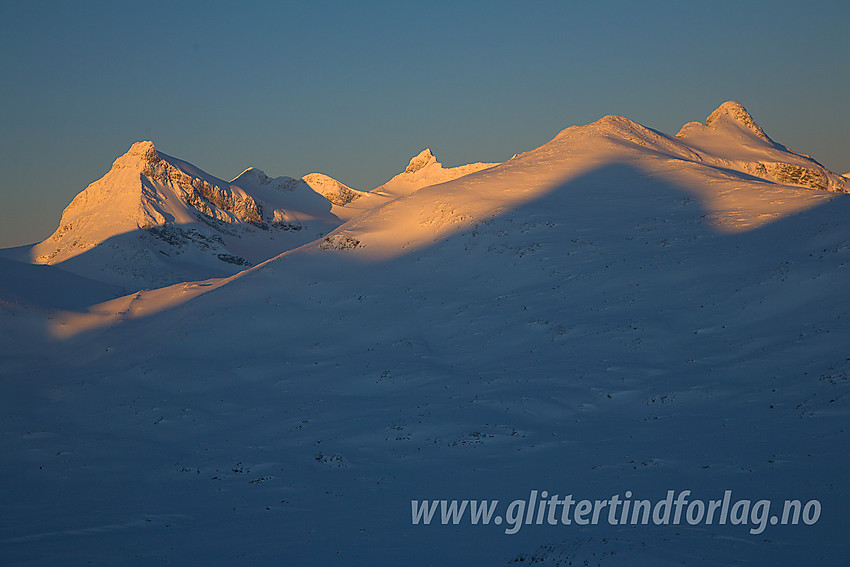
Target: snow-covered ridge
741,180
182,213
256,176
730,140
617,130
154,219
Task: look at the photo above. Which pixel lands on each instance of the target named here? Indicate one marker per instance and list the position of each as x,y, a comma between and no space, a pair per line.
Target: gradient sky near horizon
355,89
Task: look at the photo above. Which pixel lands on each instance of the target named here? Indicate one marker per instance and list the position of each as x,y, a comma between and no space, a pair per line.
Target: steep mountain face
154,220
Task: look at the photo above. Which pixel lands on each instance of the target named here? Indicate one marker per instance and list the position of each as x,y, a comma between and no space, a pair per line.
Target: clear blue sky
354,89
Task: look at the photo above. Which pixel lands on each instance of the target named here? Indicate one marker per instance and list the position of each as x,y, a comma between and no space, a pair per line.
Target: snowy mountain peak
619,126
254,174
731,139
614,121
144,150
625,127
140,154
424,170
424,158
732,112
616,132
154,219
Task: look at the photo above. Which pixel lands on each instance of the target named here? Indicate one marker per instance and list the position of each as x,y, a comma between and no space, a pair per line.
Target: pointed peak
734,112
144,151
424,158
140,155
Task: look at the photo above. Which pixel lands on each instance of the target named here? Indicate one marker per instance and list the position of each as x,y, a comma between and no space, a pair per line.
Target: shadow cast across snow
598,235
602,337
51,288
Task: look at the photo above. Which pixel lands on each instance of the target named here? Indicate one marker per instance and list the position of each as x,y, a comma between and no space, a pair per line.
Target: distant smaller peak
424,158
254,174
735,112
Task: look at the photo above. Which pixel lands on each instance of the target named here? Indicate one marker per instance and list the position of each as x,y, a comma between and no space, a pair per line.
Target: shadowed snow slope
614,311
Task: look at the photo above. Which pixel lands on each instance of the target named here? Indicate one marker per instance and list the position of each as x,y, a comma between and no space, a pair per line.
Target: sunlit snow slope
424,170
617,310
